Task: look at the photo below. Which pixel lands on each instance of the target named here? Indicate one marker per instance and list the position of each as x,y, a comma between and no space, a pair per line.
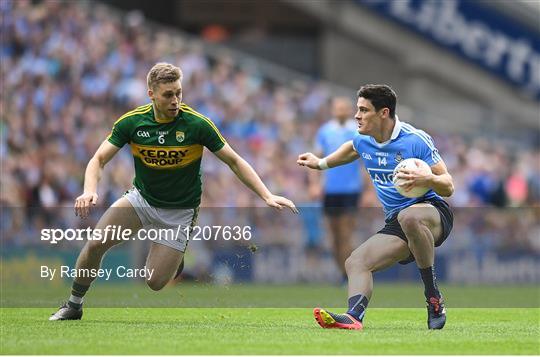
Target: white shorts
171,225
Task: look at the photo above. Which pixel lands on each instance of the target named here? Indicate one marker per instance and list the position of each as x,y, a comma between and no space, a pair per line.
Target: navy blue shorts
393,227
335,204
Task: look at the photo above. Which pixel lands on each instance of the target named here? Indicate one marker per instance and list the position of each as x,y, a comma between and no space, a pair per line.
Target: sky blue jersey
345,179
380,160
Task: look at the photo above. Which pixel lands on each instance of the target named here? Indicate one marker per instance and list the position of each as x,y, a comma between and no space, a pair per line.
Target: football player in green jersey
167,139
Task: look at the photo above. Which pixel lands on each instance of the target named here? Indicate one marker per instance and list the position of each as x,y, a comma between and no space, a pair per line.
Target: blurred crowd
70,69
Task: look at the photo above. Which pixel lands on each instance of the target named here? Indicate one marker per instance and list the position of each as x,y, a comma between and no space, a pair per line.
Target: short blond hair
163,72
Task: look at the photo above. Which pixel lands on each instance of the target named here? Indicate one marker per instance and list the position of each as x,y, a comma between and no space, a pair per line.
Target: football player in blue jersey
342,187
414,226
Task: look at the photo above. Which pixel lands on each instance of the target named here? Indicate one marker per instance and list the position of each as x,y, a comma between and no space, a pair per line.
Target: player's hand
309,160
84,202
279,203
416,177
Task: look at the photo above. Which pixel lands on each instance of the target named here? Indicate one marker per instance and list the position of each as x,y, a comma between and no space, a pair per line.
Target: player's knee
95,247
349,264
357,262
410,221
156,284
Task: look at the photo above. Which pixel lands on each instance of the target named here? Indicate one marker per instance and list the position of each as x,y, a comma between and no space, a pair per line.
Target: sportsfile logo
112,233
118,233
170,157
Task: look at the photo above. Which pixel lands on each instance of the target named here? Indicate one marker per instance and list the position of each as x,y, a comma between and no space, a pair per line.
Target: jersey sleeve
356,141
210,136
120,133
426,150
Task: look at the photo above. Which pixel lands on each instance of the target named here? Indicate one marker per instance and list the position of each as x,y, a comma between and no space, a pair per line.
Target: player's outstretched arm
343,155
249,177
92,175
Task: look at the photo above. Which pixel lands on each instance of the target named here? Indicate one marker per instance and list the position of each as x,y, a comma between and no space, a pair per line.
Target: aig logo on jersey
382,177
143,134
180,136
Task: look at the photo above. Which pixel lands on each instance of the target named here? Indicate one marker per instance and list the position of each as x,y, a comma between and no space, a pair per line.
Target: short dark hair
381,96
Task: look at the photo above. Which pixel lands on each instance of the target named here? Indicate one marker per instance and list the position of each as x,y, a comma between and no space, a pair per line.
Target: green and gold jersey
167,154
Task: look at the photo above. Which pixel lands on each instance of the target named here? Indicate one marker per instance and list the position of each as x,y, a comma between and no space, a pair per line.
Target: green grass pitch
266,330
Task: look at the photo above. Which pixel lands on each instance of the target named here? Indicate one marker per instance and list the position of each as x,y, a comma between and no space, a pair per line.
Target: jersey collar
397,129
395,133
